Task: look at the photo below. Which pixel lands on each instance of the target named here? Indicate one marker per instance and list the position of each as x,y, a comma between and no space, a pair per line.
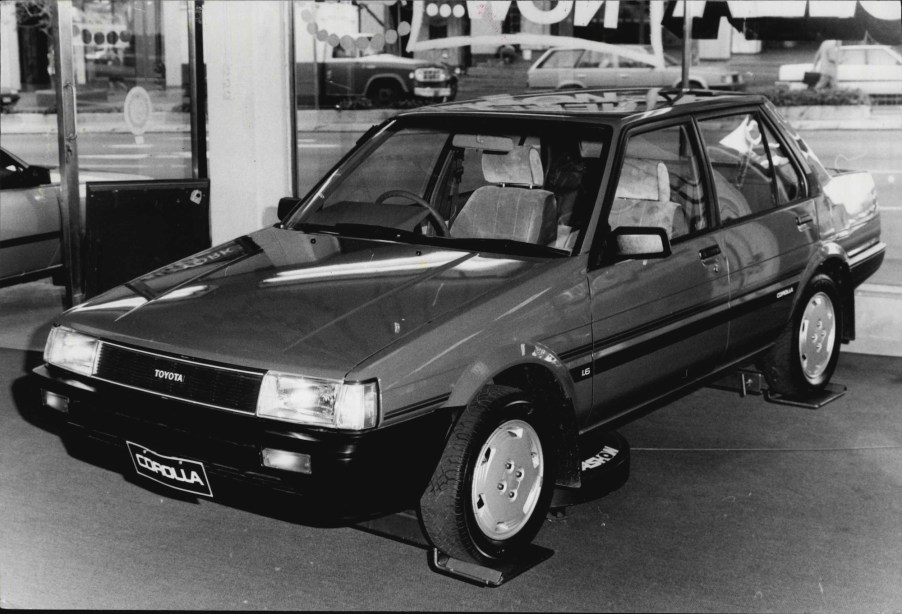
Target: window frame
759,114
602,226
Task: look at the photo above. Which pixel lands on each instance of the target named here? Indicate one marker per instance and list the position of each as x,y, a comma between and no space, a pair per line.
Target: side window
852,57
787,178
562,58
595,59
739,164
660,185
630,63
881,57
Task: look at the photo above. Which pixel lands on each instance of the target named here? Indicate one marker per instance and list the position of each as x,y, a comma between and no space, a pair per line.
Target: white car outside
873,69
577,68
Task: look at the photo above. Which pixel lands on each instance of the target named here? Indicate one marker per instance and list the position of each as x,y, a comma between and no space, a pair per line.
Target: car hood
388,58
282,299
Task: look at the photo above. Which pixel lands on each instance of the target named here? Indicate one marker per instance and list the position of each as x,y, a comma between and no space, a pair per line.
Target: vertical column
249,109
70,202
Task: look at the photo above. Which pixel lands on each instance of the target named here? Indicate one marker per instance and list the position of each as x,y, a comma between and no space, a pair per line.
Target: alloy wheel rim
817,334
507,479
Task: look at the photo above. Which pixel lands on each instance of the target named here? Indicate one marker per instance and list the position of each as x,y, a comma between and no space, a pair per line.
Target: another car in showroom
876,70
454,313
30,217
563,68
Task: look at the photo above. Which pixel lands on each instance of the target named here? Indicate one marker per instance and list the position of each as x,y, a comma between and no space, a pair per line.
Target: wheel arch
540,373
838,270
570,85
702,83
373,80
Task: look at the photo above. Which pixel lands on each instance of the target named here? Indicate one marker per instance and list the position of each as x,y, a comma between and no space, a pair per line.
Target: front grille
186,380
430,74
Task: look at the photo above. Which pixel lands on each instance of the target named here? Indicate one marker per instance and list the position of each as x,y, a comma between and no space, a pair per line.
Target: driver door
659,323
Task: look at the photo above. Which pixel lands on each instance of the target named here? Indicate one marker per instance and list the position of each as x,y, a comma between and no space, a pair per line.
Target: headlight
318,402
71,350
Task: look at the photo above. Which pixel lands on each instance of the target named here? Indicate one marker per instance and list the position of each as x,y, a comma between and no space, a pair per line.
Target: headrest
521,166
643,180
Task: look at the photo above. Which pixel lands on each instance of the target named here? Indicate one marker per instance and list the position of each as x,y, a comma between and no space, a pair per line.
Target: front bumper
350,470
432,91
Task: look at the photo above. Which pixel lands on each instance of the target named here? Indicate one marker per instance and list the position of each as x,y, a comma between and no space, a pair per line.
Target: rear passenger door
659,323
768,223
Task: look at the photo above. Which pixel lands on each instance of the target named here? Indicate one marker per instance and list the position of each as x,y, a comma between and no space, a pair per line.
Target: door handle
802,221
709,252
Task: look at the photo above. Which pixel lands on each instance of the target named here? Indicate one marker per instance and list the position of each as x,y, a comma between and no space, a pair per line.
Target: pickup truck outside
454,333
382,78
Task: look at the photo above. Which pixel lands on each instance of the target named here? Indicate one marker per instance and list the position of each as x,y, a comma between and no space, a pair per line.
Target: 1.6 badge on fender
179,473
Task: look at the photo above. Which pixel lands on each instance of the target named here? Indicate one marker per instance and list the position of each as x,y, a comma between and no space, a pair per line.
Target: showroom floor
733,504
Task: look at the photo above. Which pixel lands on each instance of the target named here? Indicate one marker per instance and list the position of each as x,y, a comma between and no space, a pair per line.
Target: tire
384,93
491,490
802,361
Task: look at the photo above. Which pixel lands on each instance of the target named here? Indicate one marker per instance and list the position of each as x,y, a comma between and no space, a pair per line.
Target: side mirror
637,242
38,175
286,206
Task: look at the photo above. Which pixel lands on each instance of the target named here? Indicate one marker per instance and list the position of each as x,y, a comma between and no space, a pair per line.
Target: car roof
617,104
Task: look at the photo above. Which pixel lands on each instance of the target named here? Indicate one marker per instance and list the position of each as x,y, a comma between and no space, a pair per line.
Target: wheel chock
404,527
815,401
747,381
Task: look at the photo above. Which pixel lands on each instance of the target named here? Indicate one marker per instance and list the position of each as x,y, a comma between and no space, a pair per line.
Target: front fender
484,369
386,76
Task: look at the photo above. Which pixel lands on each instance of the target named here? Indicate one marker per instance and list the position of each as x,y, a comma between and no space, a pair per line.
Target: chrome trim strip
651,334
870,252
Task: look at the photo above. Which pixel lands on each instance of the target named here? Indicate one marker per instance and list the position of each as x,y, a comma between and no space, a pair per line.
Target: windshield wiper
369,231
315,228
386,233
506,246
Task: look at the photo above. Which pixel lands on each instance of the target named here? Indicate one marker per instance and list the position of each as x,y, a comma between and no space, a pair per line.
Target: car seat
643,198
514,206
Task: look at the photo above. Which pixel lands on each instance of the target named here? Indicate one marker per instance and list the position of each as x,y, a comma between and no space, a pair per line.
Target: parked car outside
622,66
385,79
30,217
453,334
8,99
873,69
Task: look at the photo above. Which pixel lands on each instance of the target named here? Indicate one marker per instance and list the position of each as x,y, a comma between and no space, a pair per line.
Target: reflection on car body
452,334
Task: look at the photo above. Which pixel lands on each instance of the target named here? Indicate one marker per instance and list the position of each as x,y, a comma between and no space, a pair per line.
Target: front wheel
802,361
490,492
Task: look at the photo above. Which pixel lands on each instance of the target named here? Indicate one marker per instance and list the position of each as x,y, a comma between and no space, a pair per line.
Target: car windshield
500,186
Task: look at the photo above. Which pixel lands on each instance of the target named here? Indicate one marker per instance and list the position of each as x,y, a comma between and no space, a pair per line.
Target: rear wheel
803,359
491,490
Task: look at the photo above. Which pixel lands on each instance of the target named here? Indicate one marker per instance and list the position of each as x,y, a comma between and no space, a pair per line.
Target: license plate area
178,473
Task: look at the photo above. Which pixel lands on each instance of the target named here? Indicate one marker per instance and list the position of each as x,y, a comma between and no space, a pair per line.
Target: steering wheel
439,222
